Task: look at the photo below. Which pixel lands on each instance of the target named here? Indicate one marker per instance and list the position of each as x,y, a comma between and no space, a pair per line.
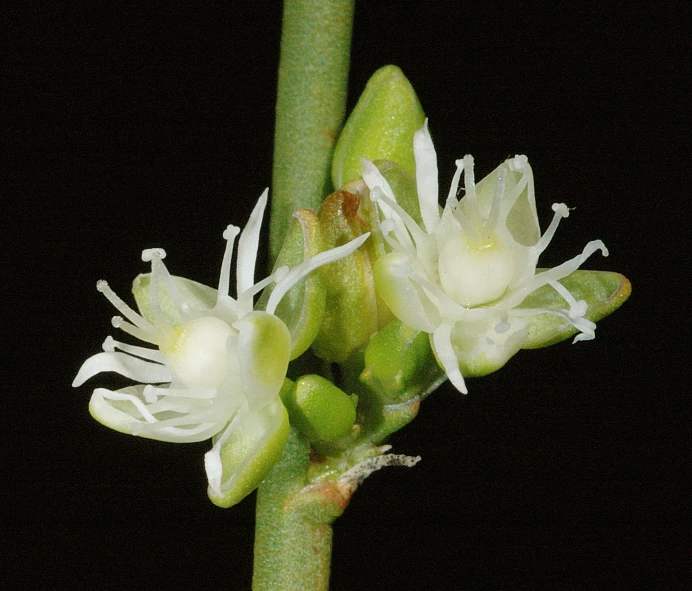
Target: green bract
381,126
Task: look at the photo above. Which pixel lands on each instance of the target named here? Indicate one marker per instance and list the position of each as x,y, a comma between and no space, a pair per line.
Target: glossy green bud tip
320,410
381,126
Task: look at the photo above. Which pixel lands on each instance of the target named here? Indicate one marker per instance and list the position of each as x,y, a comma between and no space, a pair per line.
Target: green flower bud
381,126
399,363
320,410
352,312
302,308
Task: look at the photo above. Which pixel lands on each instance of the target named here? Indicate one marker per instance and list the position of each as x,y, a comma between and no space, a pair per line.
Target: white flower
463,276
219,364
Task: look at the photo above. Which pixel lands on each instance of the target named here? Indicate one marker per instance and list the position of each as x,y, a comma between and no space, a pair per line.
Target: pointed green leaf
381,126
603,291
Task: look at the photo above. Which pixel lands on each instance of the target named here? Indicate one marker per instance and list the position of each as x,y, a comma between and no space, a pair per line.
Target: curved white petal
442,345
426,177
126,365
404,297
248,245
300,271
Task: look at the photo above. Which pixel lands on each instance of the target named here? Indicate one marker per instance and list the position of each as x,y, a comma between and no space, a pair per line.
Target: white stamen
110,344
136,402
229,235
519,162
245,299
561,211
144,372
149,253
493,216
577,309
123,308
452,200
297,273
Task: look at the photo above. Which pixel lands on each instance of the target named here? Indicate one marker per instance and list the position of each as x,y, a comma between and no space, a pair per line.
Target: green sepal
381,126
302,308
197,295
381,420
603,291
399,363
318,409
351,314
403,184
254,445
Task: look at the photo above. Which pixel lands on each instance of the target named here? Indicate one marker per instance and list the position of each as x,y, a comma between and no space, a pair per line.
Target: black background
133,127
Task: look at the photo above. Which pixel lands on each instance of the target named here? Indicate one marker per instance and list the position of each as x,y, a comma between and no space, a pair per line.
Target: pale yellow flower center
197,352
472,272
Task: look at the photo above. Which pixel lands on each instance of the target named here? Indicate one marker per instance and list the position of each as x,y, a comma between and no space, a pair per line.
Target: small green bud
399,363
302,308
381,126
351,315
403,185
320,410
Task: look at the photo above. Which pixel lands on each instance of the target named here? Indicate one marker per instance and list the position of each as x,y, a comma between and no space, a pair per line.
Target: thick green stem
313,74
293,534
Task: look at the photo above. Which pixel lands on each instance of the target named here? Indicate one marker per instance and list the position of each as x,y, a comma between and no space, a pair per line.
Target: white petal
297,273
126,365
248,245
441,341
407,300
426,177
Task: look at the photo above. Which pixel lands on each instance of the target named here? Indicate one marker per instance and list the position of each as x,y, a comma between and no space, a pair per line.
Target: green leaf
603,291
302,308
381,126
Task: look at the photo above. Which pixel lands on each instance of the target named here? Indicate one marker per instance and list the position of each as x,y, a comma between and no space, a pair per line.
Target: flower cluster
218,365
463,275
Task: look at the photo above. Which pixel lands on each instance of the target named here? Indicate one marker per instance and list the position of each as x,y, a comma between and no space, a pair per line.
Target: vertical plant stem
293,534
313,75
